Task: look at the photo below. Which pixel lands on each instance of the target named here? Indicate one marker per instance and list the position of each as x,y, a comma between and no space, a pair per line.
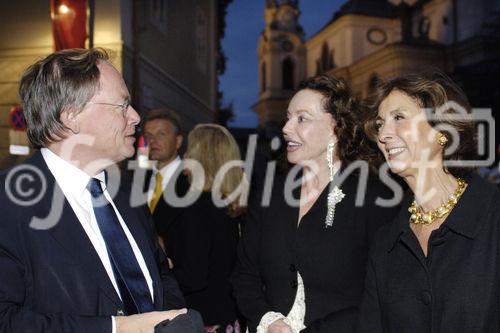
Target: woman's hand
279,326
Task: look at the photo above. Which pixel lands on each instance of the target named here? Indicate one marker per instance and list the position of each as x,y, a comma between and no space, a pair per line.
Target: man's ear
70,121
178,143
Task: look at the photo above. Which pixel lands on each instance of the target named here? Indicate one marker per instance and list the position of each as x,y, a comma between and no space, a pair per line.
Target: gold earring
442,139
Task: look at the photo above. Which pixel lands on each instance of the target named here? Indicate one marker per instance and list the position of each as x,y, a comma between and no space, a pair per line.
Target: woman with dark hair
302,256
436,267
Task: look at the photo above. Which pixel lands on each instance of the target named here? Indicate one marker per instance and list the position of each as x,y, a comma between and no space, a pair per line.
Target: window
288,69
263,77
158,14
326,60
373,82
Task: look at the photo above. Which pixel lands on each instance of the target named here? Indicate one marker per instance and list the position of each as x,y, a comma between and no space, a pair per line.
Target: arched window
325,57
288,69
373,82
326,60
263,77
319,68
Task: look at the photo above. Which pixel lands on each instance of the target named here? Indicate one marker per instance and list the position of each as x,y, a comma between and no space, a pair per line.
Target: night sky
245,22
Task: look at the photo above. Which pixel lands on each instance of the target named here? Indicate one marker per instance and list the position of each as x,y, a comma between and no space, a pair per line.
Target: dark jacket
330,260
455,288
162,215
52,280
201,240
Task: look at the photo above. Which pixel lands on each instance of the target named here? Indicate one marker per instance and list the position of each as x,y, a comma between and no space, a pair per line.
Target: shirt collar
70,178
168,169
465,219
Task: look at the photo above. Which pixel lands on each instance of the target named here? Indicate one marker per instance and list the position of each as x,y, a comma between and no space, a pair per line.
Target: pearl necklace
418,216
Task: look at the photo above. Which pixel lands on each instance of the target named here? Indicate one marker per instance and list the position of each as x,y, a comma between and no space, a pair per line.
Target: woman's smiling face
405,137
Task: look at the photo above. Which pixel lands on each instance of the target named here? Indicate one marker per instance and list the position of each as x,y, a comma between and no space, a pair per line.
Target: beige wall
347,36
390,61
25,37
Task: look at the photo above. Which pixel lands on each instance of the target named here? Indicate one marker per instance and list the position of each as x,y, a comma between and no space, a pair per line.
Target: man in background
163,136
162,132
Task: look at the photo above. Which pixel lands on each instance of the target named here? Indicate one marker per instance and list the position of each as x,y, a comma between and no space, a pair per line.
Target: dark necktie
131,282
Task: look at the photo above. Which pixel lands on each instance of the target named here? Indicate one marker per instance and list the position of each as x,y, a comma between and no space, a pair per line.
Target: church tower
282,61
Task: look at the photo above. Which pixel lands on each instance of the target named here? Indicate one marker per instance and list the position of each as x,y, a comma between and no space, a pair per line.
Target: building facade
368,40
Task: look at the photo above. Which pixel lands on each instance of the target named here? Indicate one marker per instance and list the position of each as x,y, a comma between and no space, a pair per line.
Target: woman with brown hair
202,237
302,257
436,267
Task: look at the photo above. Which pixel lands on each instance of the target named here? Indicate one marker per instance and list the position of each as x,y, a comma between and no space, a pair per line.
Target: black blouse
455,288
331,261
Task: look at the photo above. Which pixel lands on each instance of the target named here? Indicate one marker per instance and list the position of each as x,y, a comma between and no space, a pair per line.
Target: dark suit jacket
331,260
163,213
52,280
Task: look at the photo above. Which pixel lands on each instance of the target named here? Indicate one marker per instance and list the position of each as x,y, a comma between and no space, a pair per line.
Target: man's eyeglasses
123,107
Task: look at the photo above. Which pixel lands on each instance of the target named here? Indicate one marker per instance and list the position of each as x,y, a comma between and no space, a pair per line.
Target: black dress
331,261
201,241
455,288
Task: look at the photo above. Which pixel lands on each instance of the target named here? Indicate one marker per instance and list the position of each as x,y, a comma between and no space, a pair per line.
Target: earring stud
442,139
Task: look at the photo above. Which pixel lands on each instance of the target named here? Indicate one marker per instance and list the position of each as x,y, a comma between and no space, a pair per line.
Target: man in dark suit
73,257
162,132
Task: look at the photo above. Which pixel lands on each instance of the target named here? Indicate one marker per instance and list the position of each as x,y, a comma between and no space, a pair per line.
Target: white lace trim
267,319
298,312
295,318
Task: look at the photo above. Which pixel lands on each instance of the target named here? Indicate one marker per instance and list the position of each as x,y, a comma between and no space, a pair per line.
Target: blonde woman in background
202,238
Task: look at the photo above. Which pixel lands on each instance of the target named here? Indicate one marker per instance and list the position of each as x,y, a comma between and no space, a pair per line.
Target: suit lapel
147,181
68,232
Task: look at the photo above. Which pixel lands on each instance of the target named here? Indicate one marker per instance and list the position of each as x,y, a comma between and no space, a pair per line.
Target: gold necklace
418,216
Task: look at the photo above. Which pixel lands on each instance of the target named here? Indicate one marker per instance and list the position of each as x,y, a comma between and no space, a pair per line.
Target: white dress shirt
79,198
166,172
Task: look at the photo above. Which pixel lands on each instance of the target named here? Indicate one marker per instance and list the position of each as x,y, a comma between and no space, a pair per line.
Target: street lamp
69,20
63,9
